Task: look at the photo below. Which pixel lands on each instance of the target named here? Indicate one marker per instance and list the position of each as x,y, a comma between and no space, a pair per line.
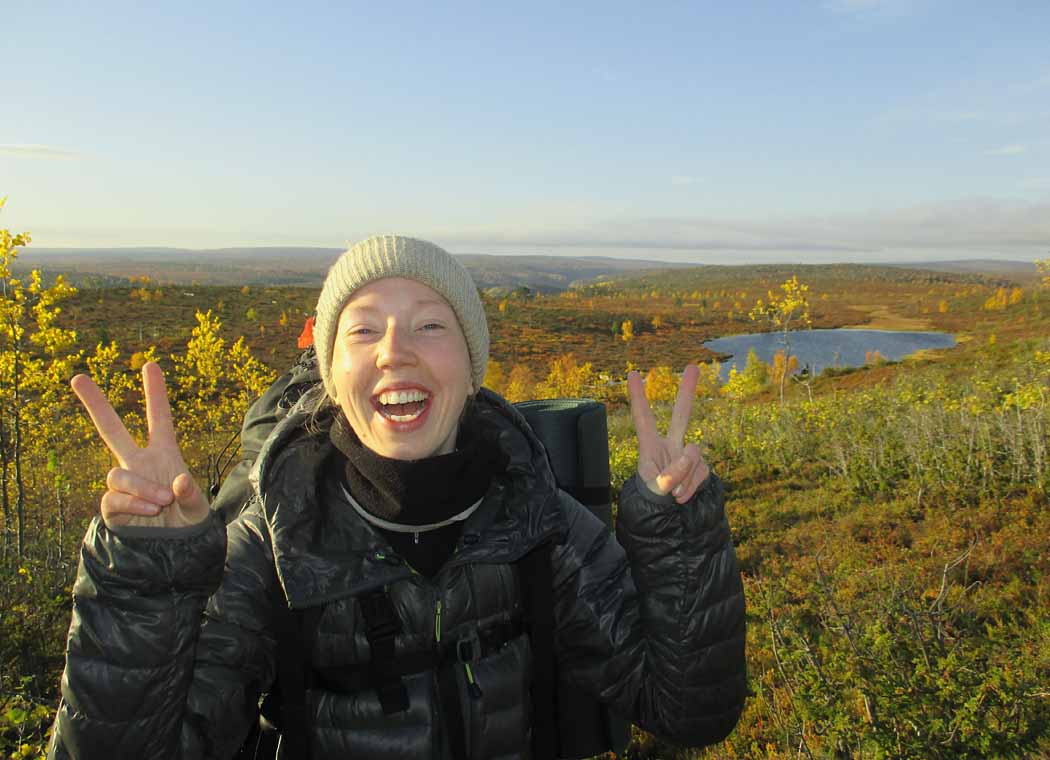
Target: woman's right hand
152,485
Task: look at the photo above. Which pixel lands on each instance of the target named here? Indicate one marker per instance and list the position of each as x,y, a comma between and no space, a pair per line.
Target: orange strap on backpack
306,337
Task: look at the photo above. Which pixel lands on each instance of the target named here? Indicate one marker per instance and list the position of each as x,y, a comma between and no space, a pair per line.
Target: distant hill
987,267
552,273
722,277
306,266
184,266
107,267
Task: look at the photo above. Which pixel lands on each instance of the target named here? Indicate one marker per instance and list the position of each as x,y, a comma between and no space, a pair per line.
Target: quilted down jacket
172,637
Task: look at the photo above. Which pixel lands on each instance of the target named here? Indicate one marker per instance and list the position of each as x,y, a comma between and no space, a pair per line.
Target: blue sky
831,130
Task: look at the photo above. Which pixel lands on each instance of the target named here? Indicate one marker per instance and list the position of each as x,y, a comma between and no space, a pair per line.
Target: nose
395,348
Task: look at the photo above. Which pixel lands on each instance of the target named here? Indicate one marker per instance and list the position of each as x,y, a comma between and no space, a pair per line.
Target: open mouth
402,406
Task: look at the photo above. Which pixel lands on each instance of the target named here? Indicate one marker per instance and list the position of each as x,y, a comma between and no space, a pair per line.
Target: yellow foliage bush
782,367
566,379
520,384
710,380
494,378
753,378
661,385
997,302
1043,265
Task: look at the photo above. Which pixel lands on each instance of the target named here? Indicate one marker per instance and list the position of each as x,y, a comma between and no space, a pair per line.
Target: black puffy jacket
172,638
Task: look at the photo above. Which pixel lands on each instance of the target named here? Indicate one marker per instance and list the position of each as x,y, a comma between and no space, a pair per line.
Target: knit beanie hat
395,256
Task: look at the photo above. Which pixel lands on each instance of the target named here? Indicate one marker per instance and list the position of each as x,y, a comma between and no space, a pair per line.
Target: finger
116,503
126,481
107,423
683,405
641,414
158,410
672,475
685,491
696,482
189,494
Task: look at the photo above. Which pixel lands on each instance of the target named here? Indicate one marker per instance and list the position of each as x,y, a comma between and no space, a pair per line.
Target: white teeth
401,397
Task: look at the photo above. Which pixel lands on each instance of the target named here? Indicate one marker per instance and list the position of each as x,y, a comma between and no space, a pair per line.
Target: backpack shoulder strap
382,624
536,581
296,634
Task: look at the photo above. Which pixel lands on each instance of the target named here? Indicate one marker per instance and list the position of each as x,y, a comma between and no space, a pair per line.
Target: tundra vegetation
891,520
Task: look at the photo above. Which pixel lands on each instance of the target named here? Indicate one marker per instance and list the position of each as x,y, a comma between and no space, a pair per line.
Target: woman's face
401,369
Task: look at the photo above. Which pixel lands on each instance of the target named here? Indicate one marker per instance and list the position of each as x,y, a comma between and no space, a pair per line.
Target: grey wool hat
396,256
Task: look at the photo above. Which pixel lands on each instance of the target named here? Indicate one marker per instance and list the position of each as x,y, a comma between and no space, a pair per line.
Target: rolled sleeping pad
576,435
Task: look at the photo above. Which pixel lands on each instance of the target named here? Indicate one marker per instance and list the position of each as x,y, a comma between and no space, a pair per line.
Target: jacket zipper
472,686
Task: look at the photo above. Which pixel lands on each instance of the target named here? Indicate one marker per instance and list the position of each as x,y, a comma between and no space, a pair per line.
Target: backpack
567,723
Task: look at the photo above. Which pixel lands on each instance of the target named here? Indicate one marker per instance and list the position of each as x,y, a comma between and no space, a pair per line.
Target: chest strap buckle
468,648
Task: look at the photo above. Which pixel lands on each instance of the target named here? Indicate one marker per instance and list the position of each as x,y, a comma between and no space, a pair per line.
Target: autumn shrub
34,618
24,728
968,439
893,660
566,378
661,385
747,382
211,388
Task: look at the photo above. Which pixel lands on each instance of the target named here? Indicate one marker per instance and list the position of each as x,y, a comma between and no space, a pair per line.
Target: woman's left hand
664,463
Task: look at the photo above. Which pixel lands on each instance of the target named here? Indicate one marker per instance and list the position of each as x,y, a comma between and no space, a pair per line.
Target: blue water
827,348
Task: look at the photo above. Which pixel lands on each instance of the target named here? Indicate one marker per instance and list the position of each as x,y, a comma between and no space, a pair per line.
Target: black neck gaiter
421,491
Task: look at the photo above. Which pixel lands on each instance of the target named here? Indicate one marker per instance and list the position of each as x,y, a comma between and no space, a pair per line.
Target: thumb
190,497
670,476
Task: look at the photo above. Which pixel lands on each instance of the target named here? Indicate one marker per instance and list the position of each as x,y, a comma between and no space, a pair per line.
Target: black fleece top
417,492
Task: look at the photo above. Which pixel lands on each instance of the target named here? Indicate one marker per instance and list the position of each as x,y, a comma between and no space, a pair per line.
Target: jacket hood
325,551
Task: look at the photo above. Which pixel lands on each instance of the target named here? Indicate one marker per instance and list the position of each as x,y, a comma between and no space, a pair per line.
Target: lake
841,347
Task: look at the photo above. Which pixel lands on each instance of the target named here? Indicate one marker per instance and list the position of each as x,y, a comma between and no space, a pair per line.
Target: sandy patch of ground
881,318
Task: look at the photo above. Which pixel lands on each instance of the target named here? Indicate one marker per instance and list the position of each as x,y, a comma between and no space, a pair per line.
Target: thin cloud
1006,150
975,224
39,151
681,180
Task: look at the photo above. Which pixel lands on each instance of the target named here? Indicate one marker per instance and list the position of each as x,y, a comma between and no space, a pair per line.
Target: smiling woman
407,527
401,369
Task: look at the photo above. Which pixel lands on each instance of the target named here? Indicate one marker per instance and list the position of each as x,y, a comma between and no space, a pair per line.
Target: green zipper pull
472,686
437,622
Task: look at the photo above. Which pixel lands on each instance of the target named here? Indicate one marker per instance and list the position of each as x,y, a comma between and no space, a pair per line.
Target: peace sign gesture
152,485
664,464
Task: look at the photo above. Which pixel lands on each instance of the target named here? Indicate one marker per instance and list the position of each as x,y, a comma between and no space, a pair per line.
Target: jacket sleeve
653,622
161,660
